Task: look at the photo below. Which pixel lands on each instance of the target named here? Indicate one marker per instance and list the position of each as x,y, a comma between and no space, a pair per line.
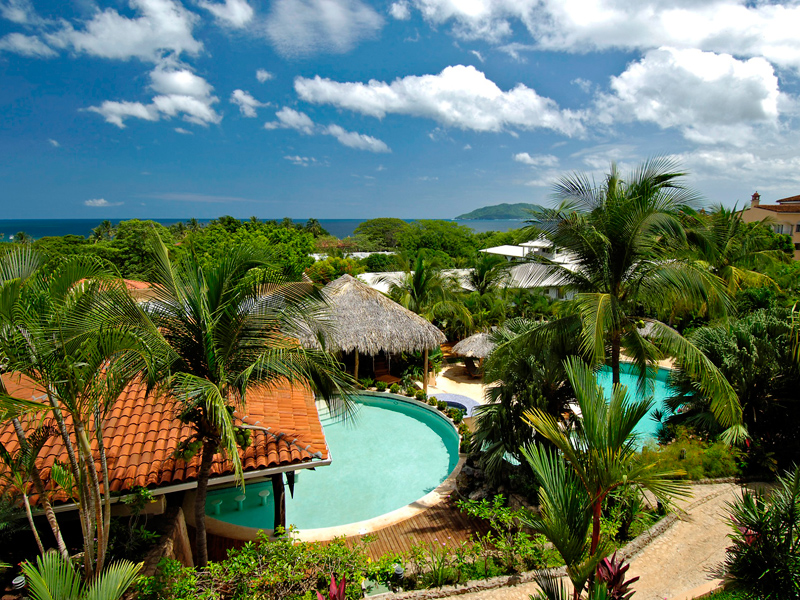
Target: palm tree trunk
29,514
80,481
355,369
201,543
615,352
597,511
106,524
38,485
425,372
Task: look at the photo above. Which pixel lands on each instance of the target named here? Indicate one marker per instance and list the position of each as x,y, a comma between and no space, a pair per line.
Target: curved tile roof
142,432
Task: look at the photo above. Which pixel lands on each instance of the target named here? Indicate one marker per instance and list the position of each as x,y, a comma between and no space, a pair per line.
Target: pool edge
441,492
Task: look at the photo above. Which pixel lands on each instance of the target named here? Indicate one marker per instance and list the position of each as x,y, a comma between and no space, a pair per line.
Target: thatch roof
479,345
363,319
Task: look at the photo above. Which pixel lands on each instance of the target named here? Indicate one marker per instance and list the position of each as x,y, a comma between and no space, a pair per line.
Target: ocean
341,228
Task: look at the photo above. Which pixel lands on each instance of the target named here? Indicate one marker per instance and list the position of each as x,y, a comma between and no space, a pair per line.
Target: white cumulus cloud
710,97
400,10
288,118
263,75
352,139
160,26
537,160
19,11
54,143
246,103
460,96
234,13
180,93
101,203
26,45
305,27
301,161
738,27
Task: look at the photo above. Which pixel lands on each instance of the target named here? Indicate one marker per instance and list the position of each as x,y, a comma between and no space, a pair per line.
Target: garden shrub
420,395
698,458
395,389
441,405
381,386
268,570
765,557
366,383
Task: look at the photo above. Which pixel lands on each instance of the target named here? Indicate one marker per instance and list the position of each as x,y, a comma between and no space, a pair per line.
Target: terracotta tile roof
786,208
142,432
789,199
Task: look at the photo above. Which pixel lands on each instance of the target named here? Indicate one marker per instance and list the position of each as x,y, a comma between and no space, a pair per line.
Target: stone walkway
676,562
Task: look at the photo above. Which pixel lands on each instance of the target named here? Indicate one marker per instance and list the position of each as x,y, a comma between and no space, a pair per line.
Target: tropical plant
77,334
765,557
595,457
55,578
735,251
519,378
232,327
489,272
754,353
624,238
336,591
426,290
20,469
103,232
611,573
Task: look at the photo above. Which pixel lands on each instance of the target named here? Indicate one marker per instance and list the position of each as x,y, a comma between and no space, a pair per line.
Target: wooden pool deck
443,522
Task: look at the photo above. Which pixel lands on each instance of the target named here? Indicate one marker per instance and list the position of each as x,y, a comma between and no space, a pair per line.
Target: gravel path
677,561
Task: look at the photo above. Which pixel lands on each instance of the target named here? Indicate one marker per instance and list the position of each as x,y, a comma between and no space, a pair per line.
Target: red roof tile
785,208
789,199
142,432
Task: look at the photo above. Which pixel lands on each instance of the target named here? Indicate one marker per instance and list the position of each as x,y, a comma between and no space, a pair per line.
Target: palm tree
519,379
625,239
596,457
55,578
488,273
232,327
20,470
22,238
732,249
103,232
76,332
426,290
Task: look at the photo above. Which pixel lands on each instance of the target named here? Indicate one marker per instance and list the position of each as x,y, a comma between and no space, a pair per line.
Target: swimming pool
658,388
389,454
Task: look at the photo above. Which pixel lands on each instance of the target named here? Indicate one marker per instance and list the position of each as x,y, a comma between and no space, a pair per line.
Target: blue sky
407,108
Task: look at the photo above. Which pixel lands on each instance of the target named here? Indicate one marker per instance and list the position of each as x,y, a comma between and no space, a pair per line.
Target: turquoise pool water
657,388
390,453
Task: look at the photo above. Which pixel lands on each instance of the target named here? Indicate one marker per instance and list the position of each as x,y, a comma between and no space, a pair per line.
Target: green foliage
516,549
269,570
325,271
765,557
288,246
592,459
451,238
754,353
366,383
395,388
55,577
384,232
380,263
132,252
628,242
381,386
421,396
697,458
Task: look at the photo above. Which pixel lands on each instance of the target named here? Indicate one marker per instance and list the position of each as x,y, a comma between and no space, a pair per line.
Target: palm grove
655,278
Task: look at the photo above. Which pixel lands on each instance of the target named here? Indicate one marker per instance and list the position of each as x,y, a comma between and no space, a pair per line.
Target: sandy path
677,561
455,380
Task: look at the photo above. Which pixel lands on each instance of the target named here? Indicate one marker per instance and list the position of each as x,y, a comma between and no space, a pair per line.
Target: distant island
500,212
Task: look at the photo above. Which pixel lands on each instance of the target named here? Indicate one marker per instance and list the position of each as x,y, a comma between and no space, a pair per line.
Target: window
797,228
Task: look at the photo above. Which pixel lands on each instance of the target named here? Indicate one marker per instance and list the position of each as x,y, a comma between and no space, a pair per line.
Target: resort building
783,217
142,433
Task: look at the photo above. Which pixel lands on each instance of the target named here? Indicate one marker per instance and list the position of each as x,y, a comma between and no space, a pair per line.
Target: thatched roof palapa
365,320
479,345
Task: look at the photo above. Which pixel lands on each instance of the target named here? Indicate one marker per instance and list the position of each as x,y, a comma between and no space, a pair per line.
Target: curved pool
388,454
